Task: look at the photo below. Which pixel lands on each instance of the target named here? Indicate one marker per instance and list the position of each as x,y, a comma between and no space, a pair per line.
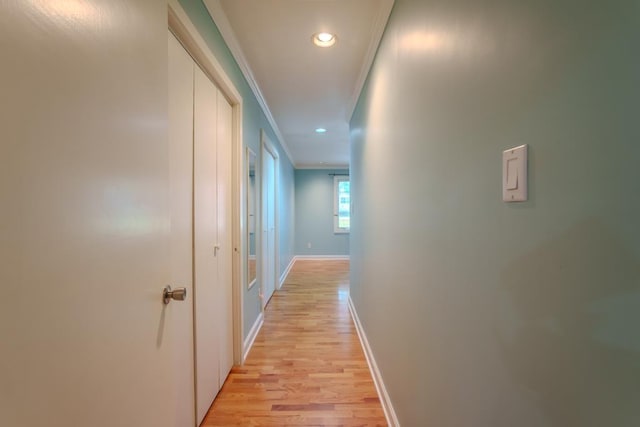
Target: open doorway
269,219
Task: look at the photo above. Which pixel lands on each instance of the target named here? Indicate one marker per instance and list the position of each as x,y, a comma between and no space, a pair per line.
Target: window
341,204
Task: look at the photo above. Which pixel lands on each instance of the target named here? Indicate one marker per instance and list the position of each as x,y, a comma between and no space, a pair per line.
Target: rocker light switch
514,174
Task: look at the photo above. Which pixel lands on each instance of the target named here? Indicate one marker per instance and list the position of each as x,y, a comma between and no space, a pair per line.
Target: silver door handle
179,294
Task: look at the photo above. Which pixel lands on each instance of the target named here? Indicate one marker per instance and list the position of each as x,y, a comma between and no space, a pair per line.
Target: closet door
225,243
205,240
200,129
268,224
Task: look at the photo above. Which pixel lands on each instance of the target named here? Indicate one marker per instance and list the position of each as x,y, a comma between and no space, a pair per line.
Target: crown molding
222,22
377,31
336,166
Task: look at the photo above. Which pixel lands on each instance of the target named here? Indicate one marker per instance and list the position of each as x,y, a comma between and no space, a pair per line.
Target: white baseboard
387,407
321,257
253,333
284,275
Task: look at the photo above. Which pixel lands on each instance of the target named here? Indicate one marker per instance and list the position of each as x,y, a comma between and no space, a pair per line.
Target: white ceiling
301,86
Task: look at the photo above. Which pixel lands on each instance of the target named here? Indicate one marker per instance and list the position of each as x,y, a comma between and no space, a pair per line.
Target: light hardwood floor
306,367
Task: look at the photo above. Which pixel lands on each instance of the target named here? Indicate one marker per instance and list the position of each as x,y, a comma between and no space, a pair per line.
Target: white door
206,245
268,224
84,216
213,247
201,139
181,69
225,239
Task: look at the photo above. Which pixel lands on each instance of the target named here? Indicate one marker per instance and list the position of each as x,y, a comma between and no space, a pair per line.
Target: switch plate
514,174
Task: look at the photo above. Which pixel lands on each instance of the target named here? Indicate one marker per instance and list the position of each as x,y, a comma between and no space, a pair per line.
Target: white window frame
337,179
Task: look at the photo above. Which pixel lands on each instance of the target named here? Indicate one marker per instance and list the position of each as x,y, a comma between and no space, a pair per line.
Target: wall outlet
309,245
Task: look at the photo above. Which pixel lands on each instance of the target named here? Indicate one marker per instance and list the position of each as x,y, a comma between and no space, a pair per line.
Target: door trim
184,30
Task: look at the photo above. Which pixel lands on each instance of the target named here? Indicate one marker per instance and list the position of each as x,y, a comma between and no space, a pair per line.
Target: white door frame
266,144
184,30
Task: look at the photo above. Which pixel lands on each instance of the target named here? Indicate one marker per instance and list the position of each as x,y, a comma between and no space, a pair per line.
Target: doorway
201,128
269,220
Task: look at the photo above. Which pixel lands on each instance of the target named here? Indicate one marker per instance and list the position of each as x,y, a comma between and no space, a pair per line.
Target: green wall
481,313
314,214
253,121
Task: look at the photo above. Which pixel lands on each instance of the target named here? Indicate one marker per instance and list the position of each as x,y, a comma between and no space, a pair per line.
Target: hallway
306,367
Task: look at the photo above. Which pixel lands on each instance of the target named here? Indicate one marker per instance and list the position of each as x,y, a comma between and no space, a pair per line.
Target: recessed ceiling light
321,130
324,39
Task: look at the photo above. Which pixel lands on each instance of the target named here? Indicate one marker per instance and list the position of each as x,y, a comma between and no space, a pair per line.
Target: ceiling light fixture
321,130
324,39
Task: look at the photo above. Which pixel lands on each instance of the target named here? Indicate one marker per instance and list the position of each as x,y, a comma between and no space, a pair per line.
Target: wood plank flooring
306,367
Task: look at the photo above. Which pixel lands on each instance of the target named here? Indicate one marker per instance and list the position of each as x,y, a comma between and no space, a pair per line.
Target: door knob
179,294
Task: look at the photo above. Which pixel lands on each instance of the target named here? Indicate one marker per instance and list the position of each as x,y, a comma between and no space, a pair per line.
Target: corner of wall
383,395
